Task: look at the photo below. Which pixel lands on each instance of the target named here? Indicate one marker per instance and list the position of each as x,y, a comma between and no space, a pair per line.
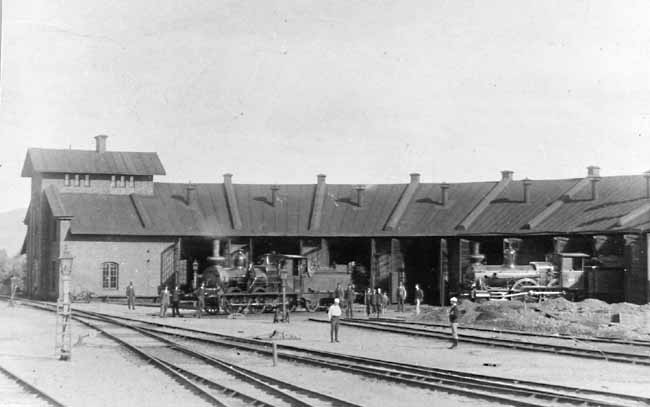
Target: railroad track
282,392
513,343
496,389
609,341
17,392
179,362
501,390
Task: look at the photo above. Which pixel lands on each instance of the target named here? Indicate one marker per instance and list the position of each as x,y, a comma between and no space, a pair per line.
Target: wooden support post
275,354
251,257
442,271
374,262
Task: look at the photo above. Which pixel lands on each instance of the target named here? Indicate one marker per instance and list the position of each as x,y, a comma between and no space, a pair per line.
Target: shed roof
168,213
44,160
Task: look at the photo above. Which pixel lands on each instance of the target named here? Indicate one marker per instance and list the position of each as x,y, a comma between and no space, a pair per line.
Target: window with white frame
77,180
87,180
66,181
122,181
131,181
110,275
113,181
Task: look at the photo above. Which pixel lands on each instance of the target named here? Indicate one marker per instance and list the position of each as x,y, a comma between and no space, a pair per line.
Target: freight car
257,288
563,275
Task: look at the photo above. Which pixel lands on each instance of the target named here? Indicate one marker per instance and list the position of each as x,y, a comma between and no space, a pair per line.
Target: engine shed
120,225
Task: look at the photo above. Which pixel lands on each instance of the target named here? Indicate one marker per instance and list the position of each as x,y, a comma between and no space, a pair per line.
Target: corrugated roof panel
508,214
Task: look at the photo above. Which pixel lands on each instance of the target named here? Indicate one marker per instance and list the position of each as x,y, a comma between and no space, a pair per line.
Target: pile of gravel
591,317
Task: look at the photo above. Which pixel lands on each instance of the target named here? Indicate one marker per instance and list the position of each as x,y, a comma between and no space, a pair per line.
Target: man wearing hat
334,315
453,320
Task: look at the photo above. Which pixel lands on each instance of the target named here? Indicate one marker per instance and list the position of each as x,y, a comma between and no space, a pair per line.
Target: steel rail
631,342
375,362
31,389
428,377
175,372
163,366
423,370
259,380
506,343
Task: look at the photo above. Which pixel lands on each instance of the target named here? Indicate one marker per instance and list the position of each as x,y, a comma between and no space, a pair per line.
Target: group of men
167,298
376,301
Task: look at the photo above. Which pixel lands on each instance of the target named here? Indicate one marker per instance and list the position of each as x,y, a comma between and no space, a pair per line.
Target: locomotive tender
256,288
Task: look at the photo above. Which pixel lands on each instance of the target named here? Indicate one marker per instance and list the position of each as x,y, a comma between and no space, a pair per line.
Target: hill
12,230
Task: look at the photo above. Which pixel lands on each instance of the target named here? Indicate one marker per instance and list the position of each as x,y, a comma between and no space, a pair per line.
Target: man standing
176,299
14,288
367,301
200,300
453,321
419,296
164,302
334,315
401,297
349,300
338,292
385,301
379,299
130,295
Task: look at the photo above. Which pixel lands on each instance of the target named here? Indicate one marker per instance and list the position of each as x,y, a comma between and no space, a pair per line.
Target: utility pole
64,308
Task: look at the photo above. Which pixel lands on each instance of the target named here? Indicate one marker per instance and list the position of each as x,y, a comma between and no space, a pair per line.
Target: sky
363,91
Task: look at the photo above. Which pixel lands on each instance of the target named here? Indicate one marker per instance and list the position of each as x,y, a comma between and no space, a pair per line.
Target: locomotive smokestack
647,184
415,178
593,173
527,184
476,248
509,254
100,143
507,175
216,248
444,193
274,194
360,189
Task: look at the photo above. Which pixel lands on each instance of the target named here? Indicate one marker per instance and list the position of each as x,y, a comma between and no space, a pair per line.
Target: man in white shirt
334,315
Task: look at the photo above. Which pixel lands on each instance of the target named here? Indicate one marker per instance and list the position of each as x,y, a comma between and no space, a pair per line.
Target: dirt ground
590,317
102,374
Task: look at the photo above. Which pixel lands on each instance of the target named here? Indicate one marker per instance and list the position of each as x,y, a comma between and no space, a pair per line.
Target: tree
11,267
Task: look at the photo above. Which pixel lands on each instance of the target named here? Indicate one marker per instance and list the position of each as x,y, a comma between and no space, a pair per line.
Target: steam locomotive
563,275
255,288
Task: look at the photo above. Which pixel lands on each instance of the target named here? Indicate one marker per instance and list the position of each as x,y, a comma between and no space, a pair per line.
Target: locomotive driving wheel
521,285
256,304
230,304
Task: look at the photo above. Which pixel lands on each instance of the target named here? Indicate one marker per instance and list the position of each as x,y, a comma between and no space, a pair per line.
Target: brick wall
139,261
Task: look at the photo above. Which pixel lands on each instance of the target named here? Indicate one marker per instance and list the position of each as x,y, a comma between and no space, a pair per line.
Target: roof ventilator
274,194
527,183
593,173
444,194
360,189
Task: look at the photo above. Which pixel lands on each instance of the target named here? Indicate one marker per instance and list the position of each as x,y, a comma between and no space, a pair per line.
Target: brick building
105,208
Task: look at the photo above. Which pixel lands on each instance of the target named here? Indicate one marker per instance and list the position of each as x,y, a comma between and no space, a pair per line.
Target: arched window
110,274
